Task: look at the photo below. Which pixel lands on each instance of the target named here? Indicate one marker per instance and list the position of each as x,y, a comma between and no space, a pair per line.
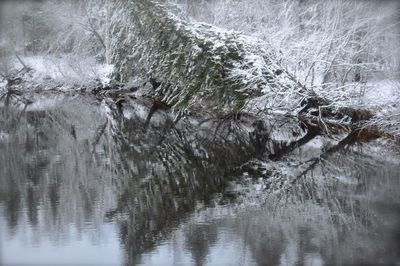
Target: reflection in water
328,223
83,183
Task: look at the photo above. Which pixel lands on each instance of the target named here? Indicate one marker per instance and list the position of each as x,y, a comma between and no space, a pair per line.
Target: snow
3,83
193,49
382,93
135,81
316,143
104,71
142,112
67,70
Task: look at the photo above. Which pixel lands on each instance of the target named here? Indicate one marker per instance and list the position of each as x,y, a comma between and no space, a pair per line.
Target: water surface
85,183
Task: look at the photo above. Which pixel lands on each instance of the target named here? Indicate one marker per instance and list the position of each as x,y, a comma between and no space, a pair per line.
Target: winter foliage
217,56
195,63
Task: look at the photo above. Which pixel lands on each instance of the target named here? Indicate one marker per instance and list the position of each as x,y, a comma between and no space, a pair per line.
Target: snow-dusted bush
196,63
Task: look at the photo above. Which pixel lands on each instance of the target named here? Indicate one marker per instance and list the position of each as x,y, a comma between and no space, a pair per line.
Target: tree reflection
165,172
199,239
147,180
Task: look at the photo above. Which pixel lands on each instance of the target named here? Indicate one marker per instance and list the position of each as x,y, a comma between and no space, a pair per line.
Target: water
83,184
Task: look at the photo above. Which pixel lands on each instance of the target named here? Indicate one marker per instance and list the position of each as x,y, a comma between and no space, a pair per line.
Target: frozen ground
65,71
383,95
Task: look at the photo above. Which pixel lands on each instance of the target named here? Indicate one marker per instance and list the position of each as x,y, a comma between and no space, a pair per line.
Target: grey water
82,183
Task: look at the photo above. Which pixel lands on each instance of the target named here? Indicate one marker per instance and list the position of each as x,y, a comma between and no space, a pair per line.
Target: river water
82,183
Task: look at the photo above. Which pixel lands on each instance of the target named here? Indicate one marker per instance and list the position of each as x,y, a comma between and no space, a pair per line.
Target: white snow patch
384,93
316,143
104,72
128,113
141,111
67,70
134,82
3,83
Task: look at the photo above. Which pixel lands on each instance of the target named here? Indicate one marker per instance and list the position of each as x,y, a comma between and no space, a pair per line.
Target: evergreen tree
196,64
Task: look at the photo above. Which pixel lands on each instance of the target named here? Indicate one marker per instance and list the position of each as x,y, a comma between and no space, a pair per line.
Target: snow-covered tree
326,44
196,64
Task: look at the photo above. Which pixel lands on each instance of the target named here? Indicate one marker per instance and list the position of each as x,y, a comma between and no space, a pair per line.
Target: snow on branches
196,63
